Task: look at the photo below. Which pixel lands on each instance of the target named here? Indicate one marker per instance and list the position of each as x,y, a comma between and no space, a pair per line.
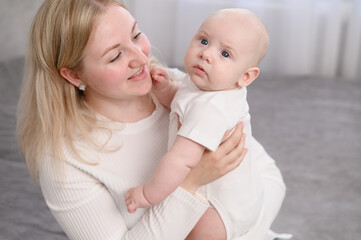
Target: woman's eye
116,57
225,54
204,42
137,35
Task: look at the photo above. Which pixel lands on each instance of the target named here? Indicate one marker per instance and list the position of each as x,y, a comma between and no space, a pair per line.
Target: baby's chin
209,87
205,87
200,83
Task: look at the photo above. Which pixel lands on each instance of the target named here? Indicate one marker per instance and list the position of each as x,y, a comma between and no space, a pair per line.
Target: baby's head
226,50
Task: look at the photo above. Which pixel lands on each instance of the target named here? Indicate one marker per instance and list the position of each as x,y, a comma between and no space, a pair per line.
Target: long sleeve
88,202
85,209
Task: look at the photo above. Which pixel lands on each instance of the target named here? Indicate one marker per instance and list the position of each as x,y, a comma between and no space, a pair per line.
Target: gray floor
311,126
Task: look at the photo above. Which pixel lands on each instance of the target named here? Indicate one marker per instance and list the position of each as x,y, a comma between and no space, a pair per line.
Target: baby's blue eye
204,42
225,54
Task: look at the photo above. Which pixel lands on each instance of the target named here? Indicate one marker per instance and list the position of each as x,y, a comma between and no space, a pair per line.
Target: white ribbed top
88,201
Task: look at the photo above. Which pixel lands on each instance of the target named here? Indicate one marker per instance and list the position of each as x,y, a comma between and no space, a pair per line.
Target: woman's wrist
189,186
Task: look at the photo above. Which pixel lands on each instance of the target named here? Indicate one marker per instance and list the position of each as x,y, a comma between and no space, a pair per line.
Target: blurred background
305,107
308,37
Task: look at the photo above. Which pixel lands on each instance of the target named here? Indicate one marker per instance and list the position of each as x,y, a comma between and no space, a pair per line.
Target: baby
221,61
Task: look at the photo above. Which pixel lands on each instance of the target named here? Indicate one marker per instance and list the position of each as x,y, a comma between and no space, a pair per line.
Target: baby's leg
209,227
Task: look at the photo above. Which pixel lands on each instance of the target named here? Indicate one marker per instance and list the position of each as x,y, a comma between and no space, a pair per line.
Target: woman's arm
86,209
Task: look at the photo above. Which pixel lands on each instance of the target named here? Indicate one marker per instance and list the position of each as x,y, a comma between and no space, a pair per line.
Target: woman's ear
248,77
71,75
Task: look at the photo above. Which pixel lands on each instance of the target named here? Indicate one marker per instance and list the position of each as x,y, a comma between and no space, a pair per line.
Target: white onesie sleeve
204,124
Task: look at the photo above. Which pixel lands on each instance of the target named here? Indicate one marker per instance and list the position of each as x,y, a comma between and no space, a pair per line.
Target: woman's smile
140,75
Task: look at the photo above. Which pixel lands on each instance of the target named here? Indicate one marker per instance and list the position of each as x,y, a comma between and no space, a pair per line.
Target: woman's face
115,63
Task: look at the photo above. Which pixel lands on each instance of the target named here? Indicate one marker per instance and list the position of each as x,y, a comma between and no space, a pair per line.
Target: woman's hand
216,164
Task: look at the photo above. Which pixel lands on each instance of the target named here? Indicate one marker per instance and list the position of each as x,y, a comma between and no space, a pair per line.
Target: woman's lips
140,75
199,70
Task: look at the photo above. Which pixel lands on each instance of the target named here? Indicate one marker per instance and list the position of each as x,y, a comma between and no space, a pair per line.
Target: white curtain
307,37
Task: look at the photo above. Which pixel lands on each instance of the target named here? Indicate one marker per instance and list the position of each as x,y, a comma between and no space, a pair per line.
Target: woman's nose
137,57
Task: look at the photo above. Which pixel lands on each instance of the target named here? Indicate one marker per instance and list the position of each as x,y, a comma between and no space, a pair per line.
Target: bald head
246,22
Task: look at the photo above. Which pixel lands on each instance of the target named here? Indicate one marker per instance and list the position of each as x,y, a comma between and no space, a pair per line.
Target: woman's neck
128,111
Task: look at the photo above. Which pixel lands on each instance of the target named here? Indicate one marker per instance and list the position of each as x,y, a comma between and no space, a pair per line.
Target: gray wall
306,38
15,21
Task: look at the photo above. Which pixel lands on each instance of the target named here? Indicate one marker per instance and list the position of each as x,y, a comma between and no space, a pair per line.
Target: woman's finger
239,149
236,156
227,146
238,160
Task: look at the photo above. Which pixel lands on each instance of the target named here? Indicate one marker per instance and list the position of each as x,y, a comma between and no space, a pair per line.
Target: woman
90,129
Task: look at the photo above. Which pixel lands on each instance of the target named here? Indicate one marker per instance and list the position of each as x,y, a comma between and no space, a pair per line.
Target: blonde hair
50,108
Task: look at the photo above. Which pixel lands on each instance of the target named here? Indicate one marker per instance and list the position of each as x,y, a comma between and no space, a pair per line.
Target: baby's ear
248,77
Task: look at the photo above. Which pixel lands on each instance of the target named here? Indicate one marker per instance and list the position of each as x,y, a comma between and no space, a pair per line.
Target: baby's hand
163,87
160,78
135,199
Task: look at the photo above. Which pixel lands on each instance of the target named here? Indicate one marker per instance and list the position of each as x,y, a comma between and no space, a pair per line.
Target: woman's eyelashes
137,35
120,53
116,57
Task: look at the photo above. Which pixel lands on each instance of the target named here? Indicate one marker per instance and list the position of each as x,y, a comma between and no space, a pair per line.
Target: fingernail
244,134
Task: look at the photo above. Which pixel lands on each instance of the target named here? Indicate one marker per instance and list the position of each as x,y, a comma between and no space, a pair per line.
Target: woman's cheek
146,46
116,75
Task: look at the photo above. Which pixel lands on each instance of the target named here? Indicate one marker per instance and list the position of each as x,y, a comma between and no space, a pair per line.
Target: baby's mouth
199,70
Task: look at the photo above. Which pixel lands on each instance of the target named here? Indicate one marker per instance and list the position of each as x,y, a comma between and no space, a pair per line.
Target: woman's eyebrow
110,48
117,44
134,25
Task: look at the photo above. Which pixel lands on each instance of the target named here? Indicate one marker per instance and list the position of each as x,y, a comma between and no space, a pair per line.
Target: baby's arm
163,87
172,170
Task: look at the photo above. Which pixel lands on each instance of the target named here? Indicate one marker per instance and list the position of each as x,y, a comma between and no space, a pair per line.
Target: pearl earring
82,87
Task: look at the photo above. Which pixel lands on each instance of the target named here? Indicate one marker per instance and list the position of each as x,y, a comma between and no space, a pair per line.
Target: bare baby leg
209,227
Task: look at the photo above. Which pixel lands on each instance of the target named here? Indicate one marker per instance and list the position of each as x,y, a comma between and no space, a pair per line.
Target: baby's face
221,52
